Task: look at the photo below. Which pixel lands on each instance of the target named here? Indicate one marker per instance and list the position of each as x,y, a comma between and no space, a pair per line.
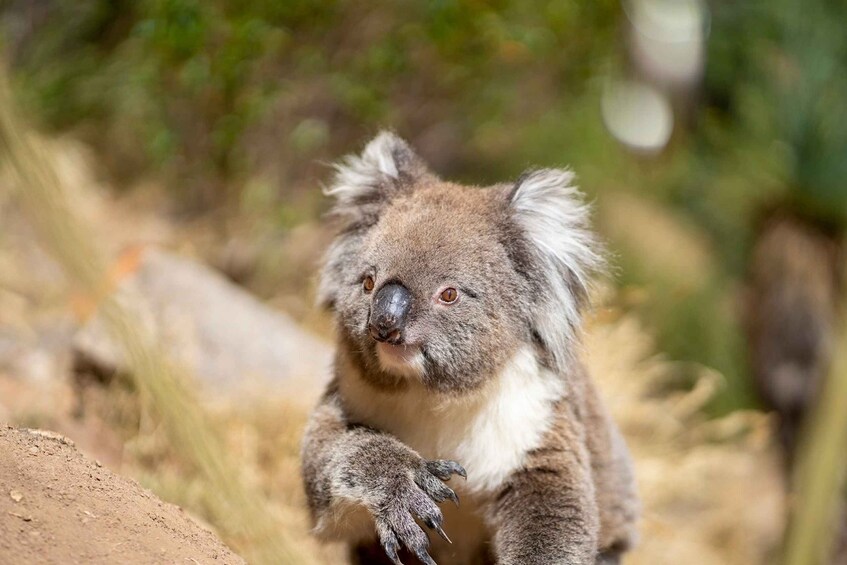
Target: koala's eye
449,295
368,284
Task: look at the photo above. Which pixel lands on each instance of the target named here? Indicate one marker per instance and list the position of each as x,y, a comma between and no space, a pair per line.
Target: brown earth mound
57,506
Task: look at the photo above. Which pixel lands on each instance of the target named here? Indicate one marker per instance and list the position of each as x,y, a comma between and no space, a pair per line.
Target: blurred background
190,140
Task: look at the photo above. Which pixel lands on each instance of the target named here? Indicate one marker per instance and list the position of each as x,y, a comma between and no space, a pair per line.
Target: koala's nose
389,311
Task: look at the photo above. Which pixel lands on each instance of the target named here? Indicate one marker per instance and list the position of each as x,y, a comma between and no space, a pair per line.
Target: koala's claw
450,494
430,480
424,557
390,544
444,469
440,531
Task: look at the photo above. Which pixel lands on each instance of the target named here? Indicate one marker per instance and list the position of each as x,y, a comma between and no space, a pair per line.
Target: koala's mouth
403,360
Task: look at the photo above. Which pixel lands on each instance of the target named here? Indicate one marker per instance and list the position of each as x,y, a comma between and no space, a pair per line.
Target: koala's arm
349,468
546,513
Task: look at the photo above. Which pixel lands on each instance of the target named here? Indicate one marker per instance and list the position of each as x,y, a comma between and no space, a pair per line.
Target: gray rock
220,333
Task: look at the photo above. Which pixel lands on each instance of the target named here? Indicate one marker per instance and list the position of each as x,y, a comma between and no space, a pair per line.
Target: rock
224,336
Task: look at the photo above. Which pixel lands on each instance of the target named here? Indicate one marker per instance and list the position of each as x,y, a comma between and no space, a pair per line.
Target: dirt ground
57,506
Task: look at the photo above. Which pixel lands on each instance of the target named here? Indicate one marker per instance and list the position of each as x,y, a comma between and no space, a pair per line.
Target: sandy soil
57,506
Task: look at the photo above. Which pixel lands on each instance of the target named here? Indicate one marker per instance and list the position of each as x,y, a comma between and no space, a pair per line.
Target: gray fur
521,257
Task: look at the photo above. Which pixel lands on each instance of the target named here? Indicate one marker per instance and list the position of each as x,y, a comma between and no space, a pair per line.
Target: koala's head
442,283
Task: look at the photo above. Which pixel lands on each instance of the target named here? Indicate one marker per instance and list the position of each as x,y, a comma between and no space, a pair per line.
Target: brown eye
449,295
368,284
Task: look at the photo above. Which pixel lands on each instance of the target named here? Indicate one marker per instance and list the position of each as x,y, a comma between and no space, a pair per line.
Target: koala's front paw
400,486
415,497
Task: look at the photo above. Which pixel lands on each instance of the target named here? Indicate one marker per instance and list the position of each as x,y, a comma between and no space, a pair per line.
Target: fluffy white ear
550,210
386,167
362,185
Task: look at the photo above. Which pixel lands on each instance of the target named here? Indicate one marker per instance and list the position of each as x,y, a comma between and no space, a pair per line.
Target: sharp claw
424,557
460,471
441,533
391,552
436,525
443,469
451,494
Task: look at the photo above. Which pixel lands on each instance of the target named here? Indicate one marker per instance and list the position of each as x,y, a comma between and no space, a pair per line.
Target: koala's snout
389,311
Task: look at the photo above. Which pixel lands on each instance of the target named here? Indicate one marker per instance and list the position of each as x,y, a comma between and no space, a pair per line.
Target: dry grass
711,490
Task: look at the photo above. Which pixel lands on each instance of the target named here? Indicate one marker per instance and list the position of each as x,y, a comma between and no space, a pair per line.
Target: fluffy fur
549,209
489,385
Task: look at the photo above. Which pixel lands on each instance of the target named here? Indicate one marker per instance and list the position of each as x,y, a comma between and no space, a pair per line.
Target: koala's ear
386,167
549,209
363,184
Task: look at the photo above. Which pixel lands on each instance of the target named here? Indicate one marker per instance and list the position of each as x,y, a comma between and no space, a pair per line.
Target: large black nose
390,308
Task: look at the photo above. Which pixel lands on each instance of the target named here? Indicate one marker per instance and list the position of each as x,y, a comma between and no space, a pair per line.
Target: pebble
16,496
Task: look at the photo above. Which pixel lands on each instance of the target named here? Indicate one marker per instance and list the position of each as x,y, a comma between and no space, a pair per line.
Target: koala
458,318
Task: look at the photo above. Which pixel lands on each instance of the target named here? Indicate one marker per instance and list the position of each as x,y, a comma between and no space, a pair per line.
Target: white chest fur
488,432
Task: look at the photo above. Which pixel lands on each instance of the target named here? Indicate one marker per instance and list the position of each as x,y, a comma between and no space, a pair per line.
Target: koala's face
433,294
442,283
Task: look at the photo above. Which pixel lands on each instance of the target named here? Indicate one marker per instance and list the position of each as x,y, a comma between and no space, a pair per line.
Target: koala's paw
411,495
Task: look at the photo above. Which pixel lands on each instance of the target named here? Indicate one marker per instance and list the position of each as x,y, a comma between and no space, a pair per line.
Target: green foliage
189,87
783,88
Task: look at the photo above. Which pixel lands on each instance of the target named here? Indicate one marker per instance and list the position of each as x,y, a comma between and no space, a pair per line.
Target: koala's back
614,478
